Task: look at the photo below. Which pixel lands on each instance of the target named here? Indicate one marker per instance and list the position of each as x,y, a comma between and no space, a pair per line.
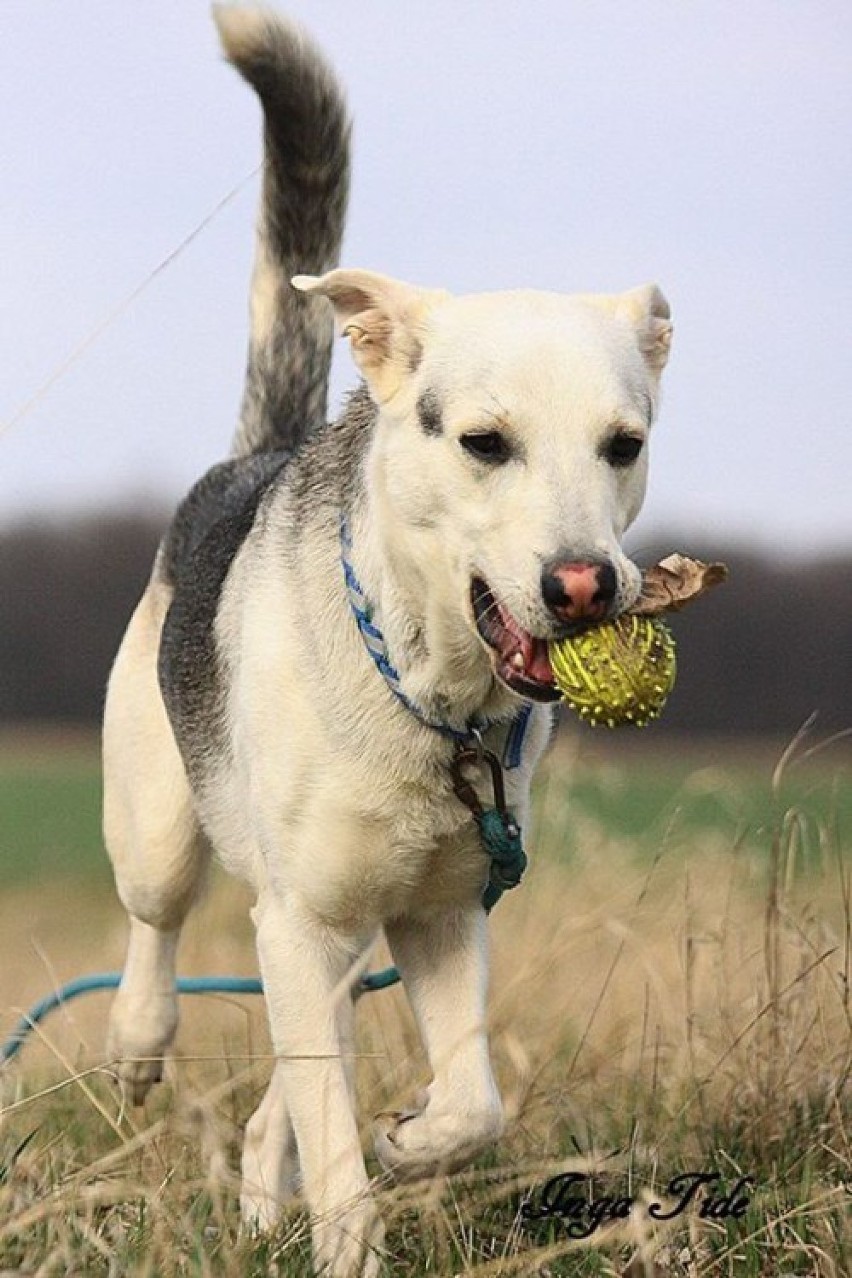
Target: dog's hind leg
157,849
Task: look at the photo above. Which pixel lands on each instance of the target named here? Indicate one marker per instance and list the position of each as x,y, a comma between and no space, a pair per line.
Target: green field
50,821
50,810
671,993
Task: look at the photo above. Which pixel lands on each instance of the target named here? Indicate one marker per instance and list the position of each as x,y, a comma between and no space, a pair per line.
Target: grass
50,824
641,802
672,993
50,802
50,809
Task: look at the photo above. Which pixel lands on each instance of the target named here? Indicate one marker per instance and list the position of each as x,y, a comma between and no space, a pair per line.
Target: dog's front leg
444,964
304,964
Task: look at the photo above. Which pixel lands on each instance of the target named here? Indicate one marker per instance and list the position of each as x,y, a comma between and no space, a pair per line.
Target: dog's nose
578,591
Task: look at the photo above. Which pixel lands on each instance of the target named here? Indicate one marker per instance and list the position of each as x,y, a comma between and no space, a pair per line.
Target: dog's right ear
383,318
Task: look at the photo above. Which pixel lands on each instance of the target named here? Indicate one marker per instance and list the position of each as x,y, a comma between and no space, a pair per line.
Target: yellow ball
619,672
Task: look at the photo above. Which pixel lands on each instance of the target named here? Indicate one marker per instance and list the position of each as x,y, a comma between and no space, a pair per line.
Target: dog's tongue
534,651
538,662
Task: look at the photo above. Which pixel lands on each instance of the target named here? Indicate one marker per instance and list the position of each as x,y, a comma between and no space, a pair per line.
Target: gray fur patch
208,532
209,528
220,494
415,355
429,413
327,471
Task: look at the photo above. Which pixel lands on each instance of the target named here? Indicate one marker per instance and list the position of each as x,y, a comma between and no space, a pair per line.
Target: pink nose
579,590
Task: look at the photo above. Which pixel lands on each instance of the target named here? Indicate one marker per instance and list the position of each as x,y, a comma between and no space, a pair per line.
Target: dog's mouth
520,659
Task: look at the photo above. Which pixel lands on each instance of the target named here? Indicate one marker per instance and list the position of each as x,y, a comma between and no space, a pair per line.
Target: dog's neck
443,667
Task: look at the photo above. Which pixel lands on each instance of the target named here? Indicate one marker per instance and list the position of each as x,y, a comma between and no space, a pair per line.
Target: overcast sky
586,145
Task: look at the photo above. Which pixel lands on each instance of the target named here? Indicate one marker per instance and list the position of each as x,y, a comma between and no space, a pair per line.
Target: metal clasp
471,756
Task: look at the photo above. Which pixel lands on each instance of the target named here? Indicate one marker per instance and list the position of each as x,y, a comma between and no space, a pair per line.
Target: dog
344,633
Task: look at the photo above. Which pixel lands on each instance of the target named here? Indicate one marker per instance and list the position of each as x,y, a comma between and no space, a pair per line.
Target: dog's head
511,449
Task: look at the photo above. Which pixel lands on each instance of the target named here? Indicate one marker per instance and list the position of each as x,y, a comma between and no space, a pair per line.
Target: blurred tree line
758,655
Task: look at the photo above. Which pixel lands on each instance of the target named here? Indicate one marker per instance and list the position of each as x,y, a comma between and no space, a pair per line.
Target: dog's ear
383,318
650,315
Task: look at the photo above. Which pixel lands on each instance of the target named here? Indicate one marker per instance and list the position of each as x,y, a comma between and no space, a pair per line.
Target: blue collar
374,642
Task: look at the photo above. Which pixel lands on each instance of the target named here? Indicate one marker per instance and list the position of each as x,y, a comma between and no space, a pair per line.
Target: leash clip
498,828
474,755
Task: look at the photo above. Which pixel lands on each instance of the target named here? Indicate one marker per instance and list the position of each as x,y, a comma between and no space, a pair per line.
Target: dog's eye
486,445
622,450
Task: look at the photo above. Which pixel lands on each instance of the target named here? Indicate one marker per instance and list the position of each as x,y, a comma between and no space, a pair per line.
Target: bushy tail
299,227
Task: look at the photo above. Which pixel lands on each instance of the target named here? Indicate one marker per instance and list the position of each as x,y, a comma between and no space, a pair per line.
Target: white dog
341,622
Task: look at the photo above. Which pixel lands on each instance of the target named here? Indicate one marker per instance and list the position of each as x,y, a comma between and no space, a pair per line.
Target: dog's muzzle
520,659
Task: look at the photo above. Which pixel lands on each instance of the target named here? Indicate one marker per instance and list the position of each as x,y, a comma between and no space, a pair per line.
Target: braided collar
374,642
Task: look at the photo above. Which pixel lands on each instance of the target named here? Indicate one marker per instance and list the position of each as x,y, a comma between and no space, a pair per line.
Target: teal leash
498,828
183,985
111,981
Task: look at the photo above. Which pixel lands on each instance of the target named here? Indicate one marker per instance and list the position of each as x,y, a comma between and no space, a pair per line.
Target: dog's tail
299,226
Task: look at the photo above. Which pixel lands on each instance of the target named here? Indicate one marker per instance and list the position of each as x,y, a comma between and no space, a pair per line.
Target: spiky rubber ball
617,673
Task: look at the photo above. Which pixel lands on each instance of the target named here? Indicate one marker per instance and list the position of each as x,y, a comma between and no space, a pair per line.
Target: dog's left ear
649,312
383,318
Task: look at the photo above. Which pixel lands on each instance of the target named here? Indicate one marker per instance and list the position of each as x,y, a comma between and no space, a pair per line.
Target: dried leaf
675,582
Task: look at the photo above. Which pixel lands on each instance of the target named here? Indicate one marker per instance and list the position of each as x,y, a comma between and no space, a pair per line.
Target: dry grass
651,1015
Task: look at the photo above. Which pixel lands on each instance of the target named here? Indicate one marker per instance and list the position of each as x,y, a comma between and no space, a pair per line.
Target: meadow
671,996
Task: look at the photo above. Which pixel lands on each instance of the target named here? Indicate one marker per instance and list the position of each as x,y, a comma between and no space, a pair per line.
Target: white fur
335,803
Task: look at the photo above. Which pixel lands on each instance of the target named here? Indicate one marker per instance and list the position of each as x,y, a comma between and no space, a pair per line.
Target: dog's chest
367,862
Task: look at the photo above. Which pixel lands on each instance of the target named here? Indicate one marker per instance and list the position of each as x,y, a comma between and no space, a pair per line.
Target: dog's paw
266,1192
140,1032
259,1213
136,1078
415,1144
348,1244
